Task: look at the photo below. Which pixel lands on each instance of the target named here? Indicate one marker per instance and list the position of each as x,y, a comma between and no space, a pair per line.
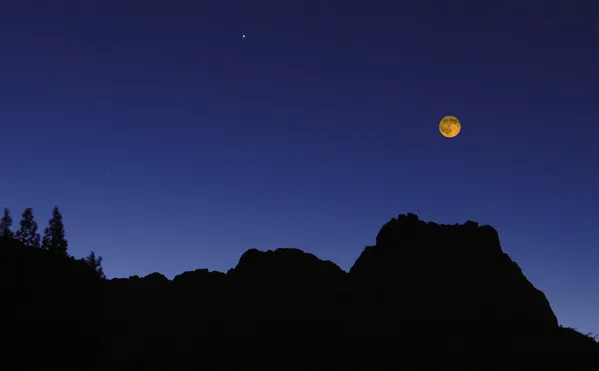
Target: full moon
450,126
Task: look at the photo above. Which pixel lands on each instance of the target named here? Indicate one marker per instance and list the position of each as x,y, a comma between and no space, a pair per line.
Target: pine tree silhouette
27,232
95,263
5,224
54,235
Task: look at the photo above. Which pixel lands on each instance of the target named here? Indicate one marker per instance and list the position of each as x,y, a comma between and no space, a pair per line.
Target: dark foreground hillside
426,296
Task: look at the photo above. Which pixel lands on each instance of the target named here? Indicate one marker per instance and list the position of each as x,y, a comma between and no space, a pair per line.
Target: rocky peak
459,272
284,262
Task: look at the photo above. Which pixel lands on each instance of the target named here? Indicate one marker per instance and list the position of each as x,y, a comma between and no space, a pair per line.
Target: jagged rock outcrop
445,276
287,280
285,263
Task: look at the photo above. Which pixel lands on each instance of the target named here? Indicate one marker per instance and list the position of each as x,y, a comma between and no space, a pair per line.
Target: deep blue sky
170,143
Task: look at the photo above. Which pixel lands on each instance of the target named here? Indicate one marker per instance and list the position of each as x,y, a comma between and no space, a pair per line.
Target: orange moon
450,126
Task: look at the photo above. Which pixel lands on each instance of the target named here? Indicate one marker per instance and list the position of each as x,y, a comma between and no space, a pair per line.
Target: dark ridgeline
426,296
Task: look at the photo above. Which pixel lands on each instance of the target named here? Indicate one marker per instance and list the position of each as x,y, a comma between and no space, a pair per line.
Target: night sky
170,142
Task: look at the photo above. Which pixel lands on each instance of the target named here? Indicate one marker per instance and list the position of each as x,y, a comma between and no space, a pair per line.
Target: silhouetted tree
5,224
54,235
95,263
27,232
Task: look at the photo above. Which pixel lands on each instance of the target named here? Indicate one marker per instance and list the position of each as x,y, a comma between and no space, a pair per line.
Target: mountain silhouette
425,296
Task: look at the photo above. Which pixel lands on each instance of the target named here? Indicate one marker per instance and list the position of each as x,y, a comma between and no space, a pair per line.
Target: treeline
53,239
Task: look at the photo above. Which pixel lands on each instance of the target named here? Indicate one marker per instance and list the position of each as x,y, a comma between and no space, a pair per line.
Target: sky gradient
171,143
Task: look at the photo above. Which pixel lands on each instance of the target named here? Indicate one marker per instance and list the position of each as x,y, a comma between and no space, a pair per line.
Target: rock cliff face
444,276
425,296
